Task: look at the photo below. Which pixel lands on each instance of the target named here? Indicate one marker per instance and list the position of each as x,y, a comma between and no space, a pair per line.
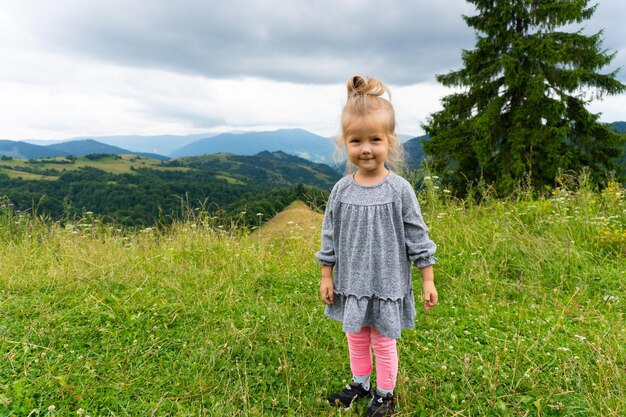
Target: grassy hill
296,219
195,319
114,164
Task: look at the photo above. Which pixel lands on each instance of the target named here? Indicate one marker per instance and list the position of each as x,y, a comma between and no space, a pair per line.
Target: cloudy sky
92,68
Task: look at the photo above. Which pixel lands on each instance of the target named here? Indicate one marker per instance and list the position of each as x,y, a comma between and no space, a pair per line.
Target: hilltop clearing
297,220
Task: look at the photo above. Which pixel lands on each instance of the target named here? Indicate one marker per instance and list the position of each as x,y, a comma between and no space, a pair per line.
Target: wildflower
80,411
51,408
444,367
563,349
579,337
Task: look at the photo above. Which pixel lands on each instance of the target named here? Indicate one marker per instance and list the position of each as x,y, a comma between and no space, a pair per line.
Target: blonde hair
364,99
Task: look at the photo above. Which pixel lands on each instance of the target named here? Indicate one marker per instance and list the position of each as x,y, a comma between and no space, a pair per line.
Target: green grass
211,322
26,175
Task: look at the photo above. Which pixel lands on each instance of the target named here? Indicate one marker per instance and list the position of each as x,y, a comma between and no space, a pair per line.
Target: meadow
205,320
125,164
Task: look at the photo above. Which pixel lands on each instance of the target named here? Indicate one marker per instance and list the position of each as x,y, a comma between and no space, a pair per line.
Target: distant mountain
619,127
18,149
23,150
90,146
291,141
414,152
404,138
158,144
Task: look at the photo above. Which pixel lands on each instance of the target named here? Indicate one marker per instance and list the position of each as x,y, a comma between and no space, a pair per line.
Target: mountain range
297,142
24,150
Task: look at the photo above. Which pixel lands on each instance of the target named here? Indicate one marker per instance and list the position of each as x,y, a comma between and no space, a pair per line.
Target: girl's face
367,145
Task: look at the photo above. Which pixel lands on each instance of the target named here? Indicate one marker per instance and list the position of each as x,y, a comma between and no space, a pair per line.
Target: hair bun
359,86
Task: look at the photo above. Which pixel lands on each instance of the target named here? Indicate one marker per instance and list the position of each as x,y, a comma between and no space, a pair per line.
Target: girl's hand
326,290
430,294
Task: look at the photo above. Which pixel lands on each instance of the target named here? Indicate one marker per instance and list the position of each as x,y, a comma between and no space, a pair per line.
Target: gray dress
372,235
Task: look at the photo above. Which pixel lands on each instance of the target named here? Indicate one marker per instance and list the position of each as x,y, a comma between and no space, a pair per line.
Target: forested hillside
222,186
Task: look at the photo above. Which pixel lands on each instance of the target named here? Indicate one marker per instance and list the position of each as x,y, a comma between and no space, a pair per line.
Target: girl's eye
354,141
376,139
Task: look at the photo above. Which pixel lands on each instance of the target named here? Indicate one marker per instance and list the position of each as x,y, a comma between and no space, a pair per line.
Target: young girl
372,232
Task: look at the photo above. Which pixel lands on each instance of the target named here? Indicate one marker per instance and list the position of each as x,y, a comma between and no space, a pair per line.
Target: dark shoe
348,395
381,406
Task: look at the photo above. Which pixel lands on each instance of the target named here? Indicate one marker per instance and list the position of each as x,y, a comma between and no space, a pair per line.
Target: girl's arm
428,287
326,285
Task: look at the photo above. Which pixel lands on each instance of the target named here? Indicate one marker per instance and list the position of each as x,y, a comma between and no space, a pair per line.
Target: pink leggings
386,356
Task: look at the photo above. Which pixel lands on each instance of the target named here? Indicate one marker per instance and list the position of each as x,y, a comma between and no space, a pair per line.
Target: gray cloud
322,41
300,41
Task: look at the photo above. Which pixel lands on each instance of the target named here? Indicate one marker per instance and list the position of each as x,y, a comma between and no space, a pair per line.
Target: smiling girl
372,233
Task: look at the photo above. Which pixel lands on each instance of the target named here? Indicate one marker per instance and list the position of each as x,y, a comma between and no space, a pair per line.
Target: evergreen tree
519,112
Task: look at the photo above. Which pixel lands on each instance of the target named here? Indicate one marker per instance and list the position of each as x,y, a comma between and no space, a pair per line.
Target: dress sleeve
326,255
420,249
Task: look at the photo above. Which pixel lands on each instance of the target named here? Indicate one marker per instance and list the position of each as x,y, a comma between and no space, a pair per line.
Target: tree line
148,197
